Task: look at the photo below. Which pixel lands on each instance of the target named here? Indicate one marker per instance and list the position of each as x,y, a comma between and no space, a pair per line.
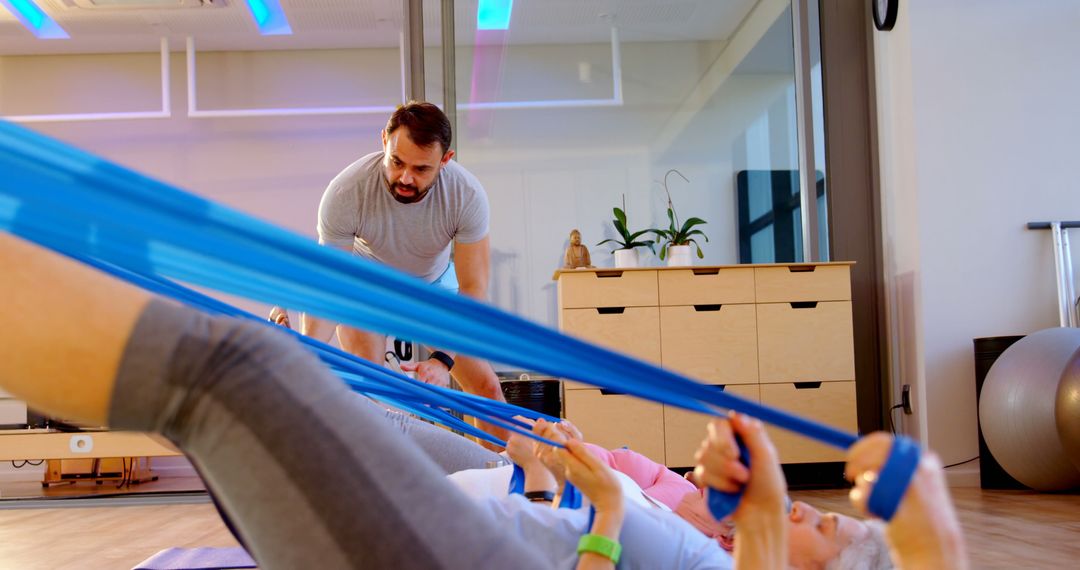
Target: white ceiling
369,23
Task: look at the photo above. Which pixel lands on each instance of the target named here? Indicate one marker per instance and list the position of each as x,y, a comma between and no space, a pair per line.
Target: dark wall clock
885,13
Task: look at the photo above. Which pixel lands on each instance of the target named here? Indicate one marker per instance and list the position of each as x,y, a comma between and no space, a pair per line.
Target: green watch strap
601,545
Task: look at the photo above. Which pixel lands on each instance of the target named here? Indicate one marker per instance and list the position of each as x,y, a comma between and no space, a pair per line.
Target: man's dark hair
426,122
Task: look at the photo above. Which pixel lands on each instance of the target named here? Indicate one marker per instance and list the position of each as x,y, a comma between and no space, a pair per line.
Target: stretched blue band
894,478
80,205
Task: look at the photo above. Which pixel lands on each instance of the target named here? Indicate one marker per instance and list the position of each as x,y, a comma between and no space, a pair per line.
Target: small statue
577,255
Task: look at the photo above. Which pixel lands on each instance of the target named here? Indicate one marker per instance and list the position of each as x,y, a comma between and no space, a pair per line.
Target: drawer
831,403
634,331
715,344
805,342
802,283
706,286
614,420
607,288
684,431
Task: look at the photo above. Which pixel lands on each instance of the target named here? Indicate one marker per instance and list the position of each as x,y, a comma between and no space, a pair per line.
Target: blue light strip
269,17
494,14
35,19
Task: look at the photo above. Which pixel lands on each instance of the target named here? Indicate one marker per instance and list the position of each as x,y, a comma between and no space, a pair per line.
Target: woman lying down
815,539
263,419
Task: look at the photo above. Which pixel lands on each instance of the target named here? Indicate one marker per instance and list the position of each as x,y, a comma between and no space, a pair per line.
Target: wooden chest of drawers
777,334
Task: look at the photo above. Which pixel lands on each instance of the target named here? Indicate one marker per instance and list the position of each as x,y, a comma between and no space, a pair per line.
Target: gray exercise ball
1017,409
1067,412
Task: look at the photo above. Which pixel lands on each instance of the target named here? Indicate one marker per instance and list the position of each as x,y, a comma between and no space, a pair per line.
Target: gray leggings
452,453
312,475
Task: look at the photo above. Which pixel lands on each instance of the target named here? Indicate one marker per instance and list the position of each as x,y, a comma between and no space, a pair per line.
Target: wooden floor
1005,529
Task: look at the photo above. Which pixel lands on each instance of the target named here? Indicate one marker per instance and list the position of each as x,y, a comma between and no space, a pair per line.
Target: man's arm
473,265
314,327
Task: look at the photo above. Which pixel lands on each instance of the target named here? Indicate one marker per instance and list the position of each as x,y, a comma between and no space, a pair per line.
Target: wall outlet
905,398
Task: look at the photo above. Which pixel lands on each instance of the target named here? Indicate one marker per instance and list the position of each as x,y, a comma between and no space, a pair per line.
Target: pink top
669,488
657,481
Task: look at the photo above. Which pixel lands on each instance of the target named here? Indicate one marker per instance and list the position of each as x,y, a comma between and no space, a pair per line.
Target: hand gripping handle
888,491
894,479
721,503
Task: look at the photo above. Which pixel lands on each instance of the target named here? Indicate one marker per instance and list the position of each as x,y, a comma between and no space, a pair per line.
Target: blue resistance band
362,376
570,499
78,204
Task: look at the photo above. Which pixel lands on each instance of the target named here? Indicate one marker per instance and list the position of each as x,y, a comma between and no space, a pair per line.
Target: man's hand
430,371
280,316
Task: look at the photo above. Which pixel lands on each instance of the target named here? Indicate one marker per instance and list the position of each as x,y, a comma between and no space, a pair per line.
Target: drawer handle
804,305
610,310
606,274
606,392
807,385
707,308
801,268
707,271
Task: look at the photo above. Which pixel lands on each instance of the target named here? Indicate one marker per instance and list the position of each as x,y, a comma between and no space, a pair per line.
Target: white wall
547,171
978,136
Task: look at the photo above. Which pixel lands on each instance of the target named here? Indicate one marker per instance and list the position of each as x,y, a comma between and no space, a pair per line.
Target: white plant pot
626,258
679,255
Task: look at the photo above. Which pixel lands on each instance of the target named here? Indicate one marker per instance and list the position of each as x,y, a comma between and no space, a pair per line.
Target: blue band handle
571,497
722,503
894,478
888,491
517,481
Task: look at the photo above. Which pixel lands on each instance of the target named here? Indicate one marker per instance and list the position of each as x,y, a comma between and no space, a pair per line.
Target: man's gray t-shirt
358,211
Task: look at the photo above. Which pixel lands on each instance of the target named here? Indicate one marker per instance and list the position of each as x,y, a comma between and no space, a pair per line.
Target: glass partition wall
199,96
566,109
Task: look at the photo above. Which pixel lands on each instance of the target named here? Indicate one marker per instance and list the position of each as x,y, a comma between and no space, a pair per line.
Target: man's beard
415,195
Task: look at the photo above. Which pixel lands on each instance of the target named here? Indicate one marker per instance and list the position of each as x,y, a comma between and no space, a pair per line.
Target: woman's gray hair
871,552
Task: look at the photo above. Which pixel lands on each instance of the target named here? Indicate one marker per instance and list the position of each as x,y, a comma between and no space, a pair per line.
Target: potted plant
676,239
626,254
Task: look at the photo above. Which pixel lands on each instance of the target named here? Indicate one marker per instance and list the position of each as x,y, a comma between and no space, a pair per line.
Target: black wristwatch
540,496
444,358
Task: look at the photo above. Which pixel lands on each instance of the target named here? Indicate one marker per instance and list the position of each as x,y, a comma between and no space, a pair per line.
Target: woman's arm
538,478
760,516
925,531
598,483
